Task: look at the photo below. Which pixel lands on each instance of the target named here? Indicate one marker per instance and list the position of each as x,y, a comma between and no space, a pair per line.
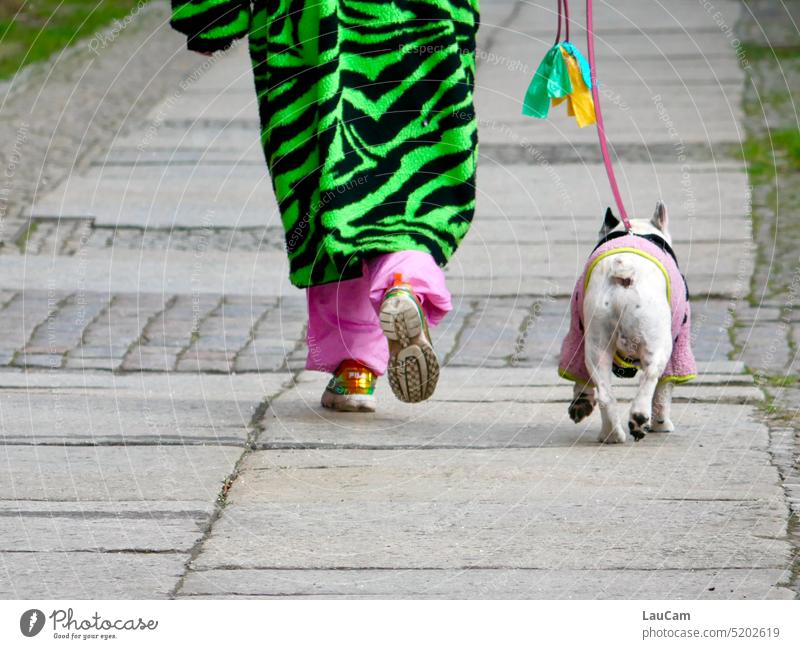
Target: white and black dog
630,311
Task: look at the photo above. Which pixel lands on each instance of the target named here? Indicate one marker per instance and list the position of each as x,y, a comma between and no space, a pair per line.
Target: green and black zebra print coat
368,125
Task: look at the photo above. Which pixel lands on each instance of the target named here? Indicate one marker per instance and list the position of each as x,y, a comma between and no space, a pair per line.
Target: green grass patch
771,152
34,30
22,242
780,381
766,53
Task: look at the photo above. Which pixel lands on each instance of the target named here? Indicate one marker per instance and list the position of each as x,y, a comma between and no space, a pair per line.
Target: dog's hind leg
582,402
599,364
662,403
653,365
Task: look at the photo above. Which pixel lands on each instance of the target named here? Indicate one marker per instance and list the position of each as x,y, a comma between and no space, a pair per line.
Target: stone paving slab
524,269
486,584
580,189
567,260
114,473
359,534
176,387
82,418
617,37
680,55
158,410
621,18
668,118
299,422
504,508
463,416
209,148
696,110
244,198
712,286
165,196
200,104
615,68
117,520
722,372
179,141
582,230
131,527
174,272
231,72
622,130
172,147
220,144
89,575
700,42
477,274
726,393
575,229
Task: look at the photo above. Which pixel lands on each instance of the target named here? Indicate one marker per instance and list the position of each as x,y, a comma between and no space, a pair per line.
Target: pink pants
343,317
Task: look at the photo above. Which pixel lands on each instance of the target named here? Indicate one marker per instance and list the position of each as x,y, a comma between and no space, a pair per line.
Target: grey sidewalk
160,437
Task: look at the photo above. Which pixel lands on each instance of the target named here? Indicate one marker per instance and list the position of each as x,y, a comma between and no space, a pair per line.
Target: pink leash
601,130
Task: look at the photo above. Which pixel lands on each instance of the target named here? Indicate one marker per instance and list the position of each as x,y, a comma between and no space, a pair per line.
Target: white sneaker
413,367
351,388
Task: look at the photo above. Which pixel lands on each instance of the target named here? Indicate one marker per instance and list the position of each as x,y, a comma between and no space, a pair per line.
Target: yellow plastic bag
580,104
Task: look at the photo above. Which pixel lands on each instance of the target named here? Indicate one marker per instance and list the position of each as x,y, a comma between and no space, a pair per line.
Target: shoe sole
348,403
413,367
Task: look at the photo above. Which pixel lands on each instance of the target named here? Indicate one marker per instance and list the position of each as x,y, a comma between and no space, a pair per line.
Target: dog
630,312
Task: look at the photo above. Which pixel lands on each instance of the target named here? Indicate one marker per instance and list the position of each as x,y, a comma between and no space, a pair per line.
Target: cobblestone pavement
160,437
62,114
766,330
217,333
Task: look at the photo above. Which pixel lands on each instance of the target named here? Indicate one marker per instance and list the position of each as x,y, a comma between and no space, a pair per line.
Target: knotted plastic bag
563,75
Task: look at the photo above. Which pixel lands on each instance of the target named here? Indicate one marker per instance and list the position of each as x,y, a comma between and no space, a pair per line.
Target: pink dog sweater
681,366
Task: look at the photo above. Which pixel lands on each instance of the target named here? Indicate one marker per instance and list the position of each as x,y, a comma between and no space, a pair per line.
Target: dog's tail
622,271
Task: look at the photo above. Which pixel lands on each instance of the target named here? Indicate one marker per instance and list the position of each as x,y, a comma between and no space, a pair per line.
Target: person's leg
408,291
345,338
420,271
379,324
343,325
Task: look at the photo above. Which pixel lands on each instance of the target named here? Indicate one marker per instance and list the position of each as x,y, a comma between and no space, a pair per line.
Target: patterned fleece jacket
681,366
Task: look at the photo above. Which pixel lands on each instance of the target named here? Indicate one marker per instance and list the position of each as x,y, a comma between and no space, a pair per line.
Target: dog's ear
660,218
610,222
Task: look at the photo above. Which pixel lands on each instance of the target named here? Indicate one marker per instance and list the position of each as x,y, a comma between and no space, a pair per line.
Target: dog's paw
580,408
615,436
662,426
638,425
